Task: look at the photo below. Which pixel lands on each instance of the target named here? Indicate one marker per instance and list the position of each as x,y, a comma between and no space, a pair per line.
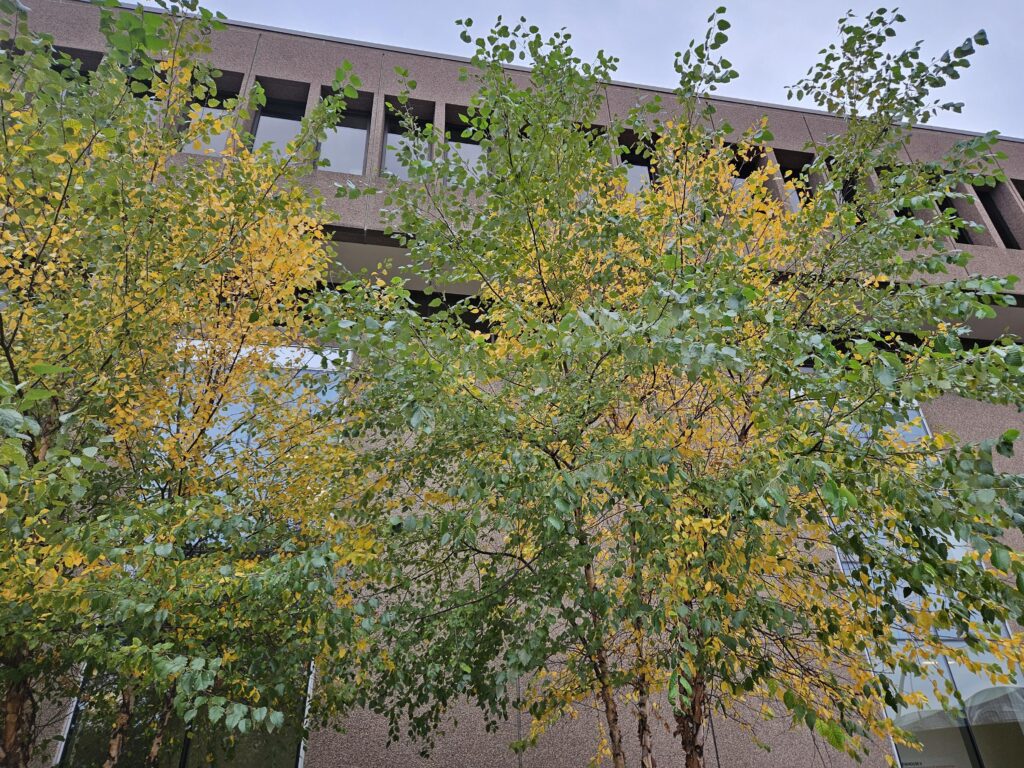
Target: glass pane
637,177
792,199
276,131
344,149
995,714
256,748
217,142
468,153
94,717
945,742
393,143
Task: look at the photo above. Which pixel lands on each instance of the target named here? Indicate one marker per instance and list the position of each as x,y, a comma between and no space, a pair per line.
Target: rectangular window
466,148
279,121
637,162
82,60
228,85
963,236
1005,212
793,167
743,166
395,139
344,146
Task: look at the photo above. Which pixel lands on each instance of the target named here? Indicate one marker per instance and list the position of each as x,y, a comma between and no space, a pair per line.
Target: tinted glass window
344,147
394,141
276,131
637,177
217,142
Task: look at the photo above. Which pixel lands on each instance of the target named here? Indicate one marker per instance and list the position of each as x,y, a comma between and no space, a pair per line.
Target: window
987,732
395,138
1005,212
793,167
743,166
279,121
963,235
637,160
82,60
89,736
466,148
228,85
344,146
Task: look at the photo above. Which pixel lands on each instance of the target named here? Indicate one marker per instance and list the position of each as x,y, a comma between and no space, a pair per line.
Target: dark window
395,138
963,236
82,60
459,136
793,167
1005,213
637,160
227,87
279,121
344,146
743,165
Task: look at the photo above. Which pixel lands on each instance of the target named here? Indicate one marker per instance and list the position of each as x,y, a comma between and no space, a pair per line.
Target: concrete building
294,69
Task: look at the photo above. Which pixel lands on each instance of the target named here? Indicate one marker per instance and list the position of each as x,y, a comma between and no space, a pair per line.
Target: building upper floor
296,69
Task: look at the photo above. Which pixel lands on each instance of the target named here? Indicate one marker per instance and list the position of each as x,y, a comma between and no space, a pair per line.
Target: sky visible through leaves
772,44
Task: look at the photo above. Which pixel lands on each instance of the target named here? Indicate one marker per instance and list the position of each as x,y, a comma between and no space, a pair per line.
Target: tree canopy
623,474
170,494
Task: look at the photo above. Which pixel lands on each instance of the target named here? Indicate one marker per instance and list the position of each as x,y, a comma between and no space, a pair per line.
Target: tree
624,471
170,496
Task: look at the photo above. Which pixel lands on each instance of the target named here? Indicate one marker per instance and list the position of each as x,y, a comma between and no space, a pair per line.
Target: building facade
295,70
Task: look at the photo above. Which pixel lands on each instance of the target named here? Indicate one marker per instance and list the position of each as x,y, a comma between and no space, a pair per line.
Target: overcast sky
772,44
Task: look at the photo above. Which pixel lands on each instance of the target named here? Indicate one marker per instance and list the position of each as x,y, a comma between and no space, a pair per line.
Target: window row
999,212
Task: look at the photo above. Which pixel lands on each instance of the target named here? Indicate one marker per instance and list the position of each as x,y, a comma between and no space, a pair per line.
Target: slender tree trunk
19,725
161,728
689,723
120,732
643,724
611,709
643,689
599,660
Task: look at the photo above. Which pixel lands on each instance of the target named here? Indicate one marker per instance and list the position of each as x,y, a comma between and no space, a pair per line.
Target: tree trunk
643,724
611,710
161,728
124,718
19,725
688,727
599,659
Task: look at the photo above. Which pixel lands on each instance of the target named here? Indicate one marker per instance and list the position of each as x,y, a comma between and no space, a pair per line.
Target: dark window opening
279,121
636,156
396,126
794,169
464,306
344,146
963,235
999,205
463,140
226,86
82,60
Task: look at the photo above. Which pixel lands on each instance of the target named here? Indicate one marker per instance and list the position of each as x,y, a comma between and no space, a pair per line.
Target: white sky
772,44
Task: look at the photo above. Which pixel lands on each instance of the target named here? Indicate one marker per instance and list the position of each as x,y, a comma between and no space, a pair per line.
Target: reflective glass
995,714
344,146
217,142
393,144
466,151
276,131
945,742
637,177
